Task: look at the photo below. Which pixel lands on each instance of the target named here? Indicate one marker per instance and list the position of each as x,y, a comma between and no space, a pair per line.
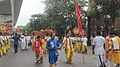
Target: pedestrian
1,44
52,46
46,38
7,40
91,39
84,44
68,46
115,49
16,39
98,44
33,38
1,53
22,42
29,43
77,43
27,40
44,46
2,40
107,47
37,47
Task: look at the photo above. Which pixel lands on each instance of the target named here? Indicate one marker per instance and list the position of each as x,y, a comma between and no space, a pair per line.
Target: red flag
77,10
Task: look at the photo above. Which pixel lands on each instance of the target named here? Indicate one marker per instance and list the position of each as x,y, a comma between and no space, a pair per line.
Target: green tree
58,15
105,11
61,13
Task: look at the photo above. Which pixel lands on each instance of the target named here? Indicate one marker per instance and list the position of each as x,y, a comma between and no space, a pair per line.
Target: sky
28,8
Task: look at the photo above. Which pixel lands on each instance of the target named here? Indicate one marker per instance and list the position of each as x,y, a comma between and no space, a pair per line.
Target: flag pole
77,10
83,58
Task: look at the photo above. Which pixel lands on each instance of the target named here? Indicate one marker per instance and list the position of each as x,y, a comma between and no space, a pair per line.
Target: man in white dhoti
98,43
22,42
28,41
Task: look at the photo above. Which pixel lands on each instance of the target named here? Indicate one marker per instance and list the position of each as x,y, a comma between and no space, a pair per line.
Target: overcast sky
29,7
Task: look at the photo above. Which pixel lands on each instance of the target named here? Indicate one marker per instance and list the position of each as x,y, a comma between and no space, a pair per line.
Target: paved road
27,59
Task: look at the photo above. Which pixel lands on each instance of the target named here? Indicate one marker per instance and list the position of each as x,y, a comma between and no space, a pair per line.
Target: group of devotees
106,49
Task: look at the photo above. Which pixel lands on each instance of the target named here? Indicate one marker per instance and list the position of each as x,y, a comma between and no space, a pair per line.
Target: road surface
27,59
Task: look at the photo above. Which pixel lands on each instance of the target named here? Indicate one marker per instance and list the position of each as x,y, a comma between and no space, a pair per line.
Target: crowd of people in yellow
112,49
4,43
106,49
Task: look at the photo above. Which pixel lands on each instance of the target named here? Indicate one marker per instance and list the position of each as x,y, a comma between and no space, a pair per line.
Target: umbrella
37,33
49,31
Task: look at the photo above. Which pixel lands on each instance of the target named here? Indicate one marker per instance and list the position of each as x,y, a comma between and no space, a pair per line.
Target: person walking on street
22,42
68,46
37,47
84,44
52,46
115,50
16,39
3,47
98,44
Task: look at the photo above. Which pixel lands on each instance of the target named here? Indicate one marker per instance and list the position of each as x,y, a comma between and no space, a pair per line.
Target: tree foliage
61,13
105,11
58,15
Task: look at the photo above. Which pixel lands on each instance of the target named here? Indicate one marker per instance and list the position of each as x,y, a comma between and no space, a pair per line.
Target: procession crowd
106,49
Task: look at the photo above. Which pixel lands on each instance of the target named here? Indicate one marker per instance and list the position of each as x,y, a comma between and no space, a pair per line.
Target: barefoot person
115,50
84,44
16,41
98,43
52,46
68,45
37,47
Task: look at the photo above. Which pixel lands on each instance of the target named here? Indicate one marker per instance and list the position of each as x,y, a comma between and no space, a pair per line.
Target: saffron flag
77,10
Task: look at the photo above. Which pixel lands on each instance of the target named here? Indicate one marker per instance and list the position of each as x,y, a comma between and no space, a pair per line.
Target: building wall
4,18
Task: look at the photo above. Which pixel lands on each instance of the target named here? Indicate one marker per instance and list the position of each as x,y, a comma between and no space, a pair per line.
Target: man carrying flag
77,10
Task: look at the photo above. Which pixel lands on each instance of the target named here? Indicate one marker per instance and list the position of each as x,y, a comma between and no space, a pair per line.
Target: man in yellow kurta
107,46
108,54
3,43
115,50
84,44
7,41
68,46
47,37
77,44
33,38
